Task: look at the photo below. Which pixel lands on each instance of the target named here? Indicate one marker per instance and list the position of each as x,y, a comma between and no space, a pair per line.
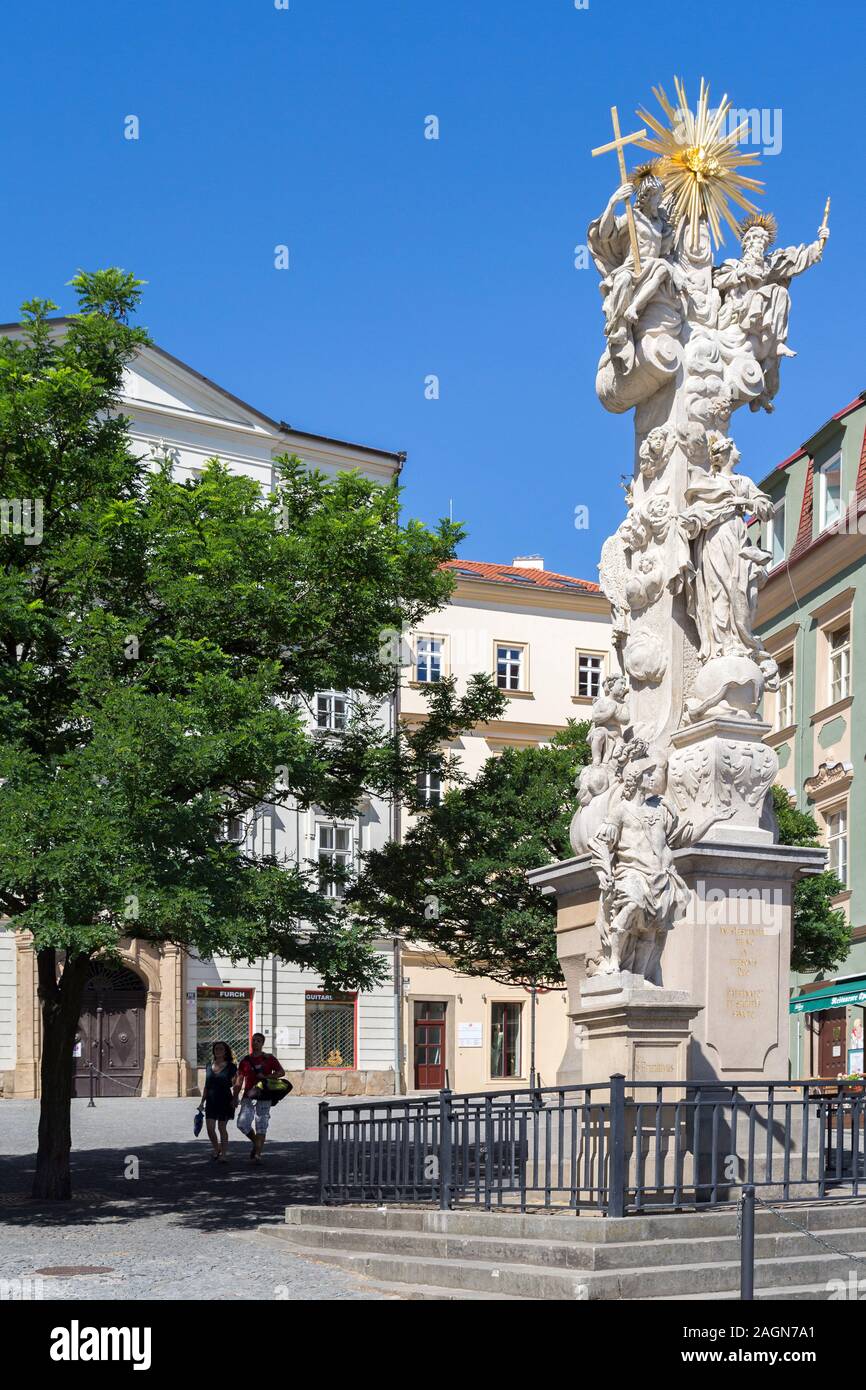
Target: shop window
222,1015
330,1030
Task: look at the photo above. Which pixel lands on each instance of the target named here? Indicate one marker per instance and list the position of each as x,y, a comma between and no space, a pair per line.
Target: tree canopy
161,643
458,882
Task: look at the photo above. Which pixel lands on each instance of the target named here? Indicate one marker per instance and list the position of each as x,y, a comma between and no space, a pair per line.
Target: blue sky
261,126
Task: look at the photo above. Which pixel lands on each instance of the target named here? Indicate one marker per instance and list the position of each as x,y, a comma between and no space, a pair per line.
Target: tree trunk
61,1006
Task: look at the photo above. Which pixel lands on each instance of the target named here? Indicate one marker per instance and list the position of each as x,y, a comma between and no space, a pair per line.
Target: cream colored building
546,640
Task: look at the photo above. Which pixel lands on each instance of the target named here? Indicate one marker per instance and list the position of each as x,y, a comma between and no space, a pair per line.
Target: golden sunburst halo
698,164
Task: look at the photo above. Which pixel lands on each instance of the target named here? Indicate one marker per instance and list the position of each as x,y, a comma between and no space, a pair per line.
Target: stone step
429,1293
530,1281
563,1254
707,1224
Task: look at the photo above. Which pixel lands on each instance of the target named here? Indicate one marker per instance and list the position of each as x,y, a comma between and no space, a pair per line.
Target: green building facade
812,618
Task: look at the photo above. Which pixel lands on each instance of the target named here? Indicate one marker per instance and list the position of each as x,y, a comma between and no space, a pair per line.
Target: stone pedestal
639,1032
722,767
722,1011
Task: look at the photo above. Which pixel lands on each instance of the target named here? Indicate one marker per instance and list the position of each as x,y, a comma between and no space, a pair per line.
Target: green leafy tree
159,645
458,881
821,934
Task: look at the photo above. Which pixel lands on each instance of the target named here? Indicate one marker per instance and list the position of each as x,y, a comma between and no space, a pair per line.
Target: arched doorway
111,1032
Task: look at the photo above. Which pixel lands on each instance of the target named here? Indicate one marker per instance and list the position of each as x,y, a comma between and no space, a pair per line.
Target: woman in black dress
217,1099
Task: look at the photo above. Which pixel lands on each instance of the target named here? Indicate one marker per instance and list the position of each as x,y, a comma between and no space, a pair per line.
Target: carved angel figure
610,718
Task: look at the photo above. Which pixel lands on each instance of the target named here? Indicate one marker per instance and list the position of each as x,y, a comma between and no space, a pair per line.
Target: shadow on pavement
173,1179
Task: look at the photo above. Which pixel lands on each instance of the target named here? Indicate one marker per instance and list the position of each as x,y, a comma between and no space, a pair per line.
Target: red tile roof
517,574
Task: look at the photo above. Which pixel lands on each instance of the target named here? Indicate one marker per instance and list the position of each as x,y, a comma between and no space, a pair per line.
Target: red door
429,1045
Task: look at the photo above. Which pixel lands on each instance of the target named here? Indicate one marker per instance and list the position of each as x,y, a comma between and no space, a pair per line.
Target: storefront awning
833,997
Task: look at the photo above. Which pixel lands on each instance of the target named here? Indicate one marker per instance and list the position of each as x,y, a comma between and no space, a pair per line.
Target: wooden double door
111,1033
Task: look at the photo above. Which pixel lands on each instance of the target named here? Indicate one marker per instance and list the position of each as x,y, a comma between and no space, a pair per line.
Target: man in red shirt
251,1069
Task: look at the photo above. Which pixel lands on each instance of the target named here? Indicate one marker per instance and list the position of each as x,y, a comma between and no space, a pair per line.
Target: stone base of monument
633,1029
722,1010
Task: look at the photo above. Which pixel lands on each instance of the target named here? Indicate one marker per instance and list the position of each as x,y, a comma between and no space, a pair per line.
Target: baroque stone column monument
674,916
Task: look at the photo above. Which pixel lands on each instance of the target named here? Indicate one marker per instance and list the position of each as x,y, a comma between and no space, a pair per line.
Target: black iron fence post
747,1243
91,1104
323,1151
446,1152
616,1195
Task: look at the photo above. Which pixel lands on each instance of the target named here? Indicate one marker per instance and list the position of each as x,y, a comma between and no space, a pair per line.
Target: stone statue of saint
642,894
624,296
728,567
756,301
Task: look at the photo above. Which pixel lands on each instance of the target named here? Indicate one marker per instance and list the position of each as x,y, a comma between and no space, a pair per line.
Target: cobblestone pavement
151,1206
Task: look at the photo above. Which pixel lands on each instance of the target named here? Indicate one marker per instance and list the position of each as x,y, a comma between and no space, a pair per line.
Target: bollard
446,1156
747,1244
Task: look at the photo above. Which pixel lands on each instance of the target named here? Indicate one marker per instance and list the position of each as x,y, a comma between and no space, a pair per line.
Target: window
330,1029
830,492
837,842
428,660
509,667
505,1039
589,671
335,858
430,788
234,830
776,533
222,1015
840,664
331,711
785,697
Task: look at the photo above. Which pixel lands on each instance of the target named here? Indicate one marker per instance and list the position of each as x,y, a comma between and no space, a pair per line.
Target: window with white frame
332,710
776,533
234,829
840,663
836,822
785,696
509,666
590,666
335,858
428,659
429,788
830,492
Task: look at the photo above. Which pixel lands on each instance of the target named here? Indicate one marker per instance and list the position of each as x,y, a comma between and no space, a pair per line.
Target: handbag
272,1088
197,1122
